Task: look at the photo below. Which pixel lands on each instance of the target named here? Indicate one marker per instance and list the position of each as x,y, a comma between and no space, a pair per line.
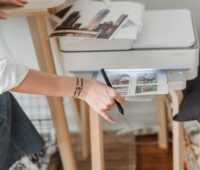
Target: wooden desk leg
178,138
76,112
81,113
39,33
85,129
162,122
97,148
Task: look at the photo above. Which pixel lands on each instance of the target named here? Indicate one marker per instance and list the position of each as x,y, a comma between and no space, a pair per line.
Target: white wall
17,36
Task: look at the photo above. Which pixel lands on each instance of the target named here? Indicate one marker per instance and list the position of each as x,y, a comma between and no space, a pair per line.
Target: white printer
168,41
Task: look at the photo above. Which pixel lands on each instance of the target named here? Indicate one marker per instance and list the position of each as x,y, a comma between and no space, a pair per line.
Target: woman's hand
19,3
100,97
2,15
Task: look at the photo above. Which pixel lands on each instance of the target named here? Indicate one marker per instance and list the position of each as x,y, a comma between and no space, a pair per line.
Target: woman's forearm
99,96
46,84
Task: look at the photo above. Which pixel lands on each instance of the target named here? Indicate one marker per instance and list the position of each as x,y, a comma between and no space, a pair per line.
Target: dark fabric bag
190,107
18,137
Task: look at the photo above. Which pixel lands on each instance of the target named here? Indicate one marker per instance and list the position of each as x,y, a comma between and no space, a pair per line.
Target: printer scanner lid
166,29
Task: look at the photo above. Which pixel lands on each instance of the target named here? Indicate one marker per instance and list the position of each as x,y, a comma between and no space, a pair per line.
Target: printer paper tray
176,80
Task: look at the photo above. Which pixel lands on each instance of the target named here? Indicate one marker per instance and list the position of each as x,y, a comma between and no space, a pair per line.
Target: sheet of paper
148,83
139,98
100,20
143,83
130,32
90,19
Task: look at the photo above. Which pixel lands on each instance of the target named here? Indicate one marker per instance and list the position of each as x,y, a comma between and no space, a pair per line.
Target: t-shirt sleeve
11,74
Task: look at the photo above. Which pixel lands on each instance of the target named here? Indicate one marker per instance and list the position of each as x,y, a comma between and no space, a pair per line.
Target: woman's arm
99,96
37,82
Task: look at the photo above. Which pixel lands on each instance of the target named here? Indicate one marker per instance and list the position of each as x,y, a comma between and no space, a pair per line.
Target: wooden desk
174,99
36,11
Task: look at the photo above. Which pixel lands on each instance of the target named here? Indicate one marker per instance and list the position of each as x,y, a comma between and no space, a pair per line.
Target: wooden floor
150,157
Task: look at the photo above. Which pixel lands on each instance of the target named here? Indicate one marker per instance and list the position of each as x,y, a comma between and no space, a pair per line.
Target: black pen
119,106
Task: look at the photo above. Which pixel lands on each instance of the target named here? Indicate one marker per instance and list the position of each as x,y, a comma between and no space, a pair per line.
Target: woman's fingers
23,1
17,3
116,96
119,98
106,116
2,15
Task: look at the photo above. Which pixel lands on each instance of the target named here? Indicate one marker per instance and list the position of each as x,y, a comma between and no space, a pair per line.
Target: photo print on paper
119,79
146,88
147,78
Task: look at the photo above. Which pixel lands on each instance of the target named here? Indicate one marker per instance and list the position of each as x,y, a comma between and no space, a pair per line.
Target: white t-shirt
11,72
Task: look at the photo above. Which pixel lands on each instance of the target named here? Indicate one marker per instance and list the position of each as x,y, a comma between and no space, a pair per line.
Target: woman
18,78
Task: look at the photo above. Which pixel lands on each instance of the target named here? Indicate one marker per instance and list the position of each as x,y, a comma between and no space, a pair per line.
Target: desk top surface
33,7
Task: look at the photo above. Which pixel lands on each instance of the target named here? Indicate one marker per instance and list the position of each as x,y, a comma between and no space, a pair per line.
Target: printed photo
147,78
146,89
122,90
107,29
119,79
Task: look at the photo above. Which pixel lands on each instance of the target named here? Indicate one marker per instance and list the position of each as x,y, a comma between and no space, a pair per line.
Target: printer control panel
176,80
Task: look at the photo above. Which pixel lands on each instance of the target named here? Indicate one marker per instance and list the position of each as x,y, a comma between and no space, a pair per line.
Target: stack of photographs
98,19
